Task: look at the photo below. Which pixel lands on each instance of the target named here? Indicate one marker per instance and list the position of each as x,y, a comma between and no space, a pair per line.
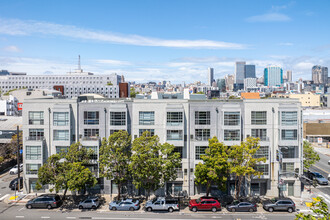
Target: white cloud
20,27
269,17
12,48
114,62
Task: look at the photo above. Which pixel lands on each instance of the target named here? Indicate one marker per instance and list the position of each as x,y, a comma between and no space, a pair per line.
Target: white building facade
8,106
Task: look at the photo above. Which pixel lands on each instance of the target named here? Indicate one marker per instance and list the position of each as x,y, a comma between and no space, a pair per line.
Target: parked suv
89,203
14,170
13,185
279,204
48,201
204,204
162,203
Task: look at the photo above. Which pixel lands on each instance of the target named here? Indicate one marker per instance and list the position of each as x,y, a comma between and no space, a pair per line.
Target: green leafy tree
319,207
133,92
153,164
67,170
310,155
215,166
243,161
115,155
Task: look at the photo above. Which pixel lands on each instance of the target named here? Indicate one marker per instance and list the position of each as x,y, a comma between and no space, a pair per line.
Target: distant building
221,84
273,76
320,74
8,106
307,100
230,79
239,70
6,72
210,76
289,75
250,83
249,71
250,95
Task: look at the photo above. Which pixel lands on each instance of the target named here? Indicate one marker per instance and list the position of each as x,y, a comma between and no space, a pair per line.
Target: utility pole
18,161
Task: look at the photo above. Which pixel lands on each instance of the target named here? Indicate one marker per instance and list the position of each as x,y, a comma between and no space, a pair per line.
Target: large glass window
288,167
200,150
63,149
259,133
61,135
174,118
232,135
36,118
117,118
36,134
91,118
146,118
258,117
91,132
263,151
232,118
202,134
33,152
289,134
32,168
151,132
61,118
262,168
202,118
174,135
289,118
289,151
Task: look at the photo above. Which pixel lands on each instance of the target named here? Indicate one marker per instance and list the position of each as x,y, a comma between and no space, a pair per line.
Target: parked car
280,204
13,185
204,204
48,201
14,170
162,204
319,178
89,203
242,207
125,205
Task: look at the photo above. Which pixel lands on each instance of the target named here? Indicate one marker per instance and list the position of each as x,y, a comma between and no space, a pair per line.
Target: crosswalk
325,197
3,197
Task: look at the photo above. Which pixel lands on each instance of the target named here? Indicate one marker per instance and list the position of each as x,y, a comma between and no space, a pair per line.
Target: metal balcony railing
35,138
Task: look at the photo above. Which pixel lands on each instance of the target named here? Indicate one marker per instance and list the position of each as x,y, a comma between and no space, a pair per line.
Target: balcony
90,138
35,138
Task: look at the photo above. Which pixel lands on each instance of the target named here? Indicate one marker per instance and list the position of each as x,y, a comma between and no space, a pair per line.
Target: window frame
259,117
144,119
232,118
118,118
202,117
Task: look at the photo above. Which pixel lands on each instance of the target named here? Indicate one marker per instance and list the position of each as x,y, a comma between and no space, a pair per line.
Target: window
61,118
174,118
289,134
202,118
151,132
232,118
36,134
146,118
232,135
259,133
113,131
95,151
289,151
200,150
63,149
174,135
179,150
33,152
91,132
61,135
32,168
117,118
202,134
263,151
262,168
289,118
91,118
258,118
288,167
36,118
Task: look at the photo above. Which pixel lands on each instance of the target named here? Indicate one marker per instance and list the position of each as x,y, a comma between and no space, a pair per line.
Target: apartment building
185,123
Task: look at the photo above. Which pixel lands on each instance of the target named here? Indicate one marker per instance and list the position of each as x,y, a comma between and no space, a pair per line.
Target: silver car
124,205
89,203
162,204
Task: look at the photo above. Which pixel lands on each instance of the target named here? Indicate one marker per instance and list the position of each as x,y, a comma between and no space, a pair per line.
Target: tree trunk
148,193
239,186
66,189
208,187
119,187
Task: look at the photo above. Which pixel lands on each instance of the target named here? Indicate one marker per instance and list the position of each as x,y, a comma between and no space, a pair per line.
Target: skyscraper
325,74
289,75
240,72
320,74
210,76
249,71
273,76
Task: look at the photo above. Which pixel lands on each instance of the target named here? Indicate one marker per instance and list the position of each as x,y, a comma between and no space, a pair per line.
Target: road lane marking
21,209
3,197
321,169
71,217
327,200
45,217
19,216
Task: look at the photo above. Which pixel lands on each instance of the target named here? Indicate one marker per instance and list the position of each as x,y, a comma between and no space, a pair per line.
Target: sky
154,40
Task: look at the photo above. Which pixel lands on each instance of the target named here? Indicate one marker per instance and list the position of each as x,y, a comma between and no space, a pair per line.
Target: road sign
21,151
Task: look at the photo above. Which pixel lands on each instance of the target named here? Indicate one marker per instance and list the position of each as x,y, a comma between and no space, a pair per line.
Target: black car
242,207
13,185
48,201
280,204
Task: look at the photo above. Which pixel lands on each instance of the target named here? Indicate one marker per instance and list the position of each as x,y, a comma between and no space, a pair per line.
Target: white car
14,170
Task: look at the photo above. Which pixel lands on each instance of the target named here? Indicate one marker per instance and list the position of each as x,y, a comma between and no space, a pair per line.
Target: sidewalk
322,150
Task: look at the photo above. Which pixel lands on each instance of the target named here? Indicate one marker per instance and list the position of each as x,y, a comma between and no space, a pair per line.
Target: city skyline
139,39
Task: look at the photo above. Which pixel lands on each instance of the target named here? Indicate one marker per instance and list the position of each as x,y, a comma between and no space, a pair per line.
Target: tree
243,161
67,171
152,164
319,207
115,155
310,155
215,166
133,93
9,150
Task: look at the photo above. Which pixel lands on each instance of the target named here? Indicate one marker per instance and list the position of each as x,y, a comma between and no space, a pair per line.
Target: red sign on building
19,106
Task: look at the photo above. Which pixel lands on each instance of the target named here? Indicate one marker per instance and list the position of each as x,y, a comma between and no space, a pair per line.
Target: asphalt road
4,184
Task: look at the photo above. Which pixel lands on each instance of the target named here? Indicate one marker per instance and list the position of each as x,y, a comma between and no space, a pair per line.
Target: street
5,179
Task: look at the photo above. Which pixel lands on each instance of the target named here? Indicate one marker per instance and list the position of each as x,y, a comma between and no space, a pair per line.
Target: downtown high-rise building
289,75
320,74
249,71
210,75
273,76
239,71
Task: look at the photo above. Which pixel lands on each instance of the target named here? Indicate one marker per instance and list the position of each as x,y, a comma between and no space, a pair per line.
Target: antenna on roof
79,67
